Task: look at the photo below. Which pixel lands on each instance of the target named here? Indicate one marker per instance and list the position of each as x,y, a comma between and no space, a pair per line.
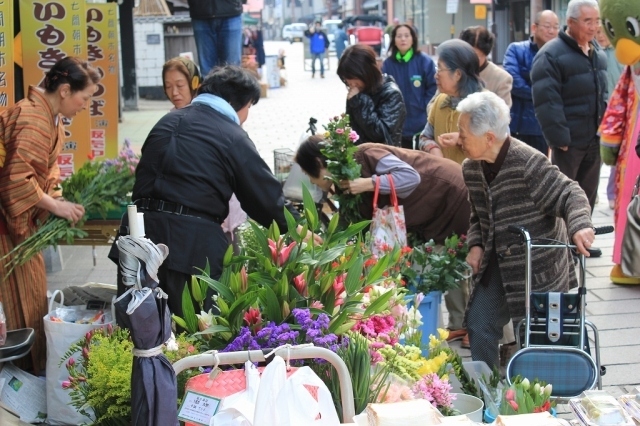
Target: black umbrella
154,391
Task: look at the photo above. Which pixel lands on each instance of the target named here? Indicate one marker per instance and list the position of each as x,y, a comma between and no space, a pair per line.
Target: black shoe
594,252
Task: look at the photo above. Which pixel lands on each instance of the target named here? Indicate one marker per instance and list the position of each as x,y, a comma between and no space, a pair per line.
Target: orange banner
7,82
50,31
102,36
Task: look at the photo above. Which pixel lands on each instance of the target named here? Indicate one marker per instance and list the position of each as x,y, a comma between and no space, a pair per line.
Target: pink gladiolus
353,136
66,384
514,405
300,284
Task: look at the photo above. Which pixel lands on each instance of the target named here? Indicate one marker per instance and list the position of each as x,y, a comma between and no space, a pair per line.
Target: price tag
198,408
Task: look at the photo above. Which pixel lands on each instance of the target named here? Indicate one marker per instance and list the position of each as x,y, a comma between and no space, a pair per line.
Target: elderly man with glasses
511,183
569,82
517,62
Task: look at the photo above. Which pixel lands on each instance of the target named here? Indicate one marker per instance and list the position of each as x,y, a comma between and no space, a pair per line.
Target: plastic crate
282,163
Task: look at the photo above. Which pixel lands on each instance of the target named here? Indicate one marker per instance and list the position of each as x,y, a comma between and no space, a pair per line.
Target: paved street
279,120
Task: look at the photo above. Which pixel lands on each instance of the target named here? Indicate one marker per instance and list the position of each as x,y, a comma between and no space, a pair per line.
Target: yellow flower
444,334
326,134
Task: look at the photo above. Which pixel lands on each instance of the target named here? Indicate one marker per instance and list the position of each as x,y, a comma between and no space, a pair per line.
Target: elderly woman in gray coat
511,183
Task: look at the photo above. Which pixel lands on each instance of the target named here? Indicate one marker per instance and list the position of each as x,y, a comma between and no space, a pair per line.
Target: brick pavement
277,122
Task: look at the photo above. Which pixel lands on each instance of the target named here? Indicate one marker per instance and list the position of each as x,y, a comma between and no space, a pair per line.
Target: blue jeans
219,41
315,56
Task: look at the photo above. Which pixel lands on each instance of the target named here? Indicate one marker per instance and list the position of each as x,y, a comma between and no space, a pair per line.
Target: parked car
293,32
330,26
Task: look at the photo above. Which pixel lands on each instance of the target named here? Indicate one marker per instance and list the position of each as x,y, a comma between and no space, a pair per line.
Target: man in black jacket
192,161
217,28
569,85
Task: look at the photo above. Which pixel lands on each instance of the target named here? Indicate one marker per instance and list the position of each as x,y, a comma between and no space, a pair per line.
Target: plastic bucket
470,406
430,310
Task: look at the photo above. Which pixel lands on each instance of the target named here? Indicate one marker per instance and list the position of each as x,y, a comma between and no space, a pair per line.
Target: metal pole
422,28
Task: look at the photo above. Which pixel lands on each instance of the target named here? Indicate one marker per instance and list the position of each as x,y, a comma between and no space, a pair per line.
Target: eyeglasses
548,27
439,70
588,22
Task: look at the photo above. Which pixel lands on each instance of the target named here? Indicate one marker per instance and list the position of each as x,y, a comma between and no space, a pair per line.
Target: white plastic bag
292,188
289,402
238,409
60,337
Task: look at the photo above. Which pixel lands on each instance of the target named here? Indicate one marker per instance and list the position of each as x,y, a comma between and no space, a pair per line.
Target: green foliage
277,274
436,268
99,367
339,149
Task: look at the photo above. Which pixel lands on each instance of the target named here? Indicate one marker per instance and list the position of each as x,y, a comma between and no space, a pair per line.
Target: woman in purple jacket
414,73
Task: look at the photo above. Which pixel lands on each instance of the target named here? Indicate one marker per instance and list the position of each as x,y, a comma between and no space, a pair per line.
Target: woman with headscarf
374,100
33,134
414,72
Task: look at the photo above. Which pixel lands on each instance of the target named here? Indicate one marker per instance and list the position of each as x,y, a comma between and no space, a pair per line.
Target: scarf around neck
218,104
406,57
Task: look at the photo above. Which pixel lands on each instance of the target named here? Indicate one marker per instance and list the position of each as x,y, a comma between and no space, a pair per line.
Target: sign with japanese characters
102,38
7,83
50,31
198,408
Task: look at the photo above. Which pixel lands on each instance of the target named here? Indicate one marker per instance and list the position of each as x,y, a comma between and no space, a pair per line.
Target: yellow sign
7,82
481,11
102,36
52,30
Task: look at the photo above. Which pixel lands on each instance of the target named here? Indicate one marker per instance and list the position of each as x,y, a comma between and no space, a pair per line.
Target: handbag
388,227
631,238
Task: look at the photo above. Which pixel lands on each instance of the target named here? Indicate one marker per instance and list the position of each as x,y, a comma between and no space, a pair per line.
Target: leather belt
154,205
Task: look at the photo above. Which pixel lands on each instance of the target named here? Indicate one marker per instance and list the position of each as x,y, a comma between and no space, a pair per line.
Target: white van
293,32
330,26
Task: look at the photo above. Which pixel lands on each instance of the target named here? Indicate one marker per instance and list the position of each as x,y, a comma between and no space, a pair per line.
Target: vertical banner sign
102,38
7,82
50,31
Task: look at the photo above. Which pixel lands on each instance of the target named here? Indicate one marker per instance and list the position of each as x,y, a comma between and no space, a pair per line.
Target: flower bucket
469,405
488,418
430,310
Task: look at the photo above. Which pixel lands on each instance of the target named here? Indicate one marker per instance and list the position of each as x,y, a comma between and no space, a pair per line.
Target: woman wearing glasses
456,77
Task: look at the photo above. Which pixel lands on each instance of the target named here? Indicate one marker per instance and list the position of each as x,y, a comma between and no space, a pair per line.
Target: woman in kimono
33,136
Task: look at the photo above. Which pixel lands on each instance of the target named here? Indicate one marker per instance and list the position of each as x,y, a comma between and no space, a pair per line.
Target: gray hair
574,6
487,113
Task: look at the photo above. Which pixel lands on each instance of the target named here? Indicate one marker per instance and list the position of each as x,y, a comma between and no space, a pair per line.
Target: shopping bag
388,227
631,238
300,399
61,333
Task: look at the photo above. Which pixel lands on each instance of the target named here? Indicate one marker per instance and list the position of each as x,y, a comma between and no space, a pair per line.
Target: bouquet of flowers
99,186
99,367
339,148
438,268
524,397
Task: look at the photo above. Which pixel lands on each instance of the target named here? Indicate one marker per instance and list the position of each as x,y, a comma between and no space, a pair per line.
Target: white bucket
469,406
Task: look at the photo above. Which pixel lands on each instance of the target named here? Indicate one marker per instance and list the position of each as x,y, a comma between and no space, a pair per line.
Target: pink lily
300,284
280,258
252,317
243,280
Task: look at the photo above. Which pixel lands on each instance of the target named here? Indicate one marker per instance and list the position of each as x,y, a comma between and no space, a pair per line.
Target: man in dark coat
569,82
193,160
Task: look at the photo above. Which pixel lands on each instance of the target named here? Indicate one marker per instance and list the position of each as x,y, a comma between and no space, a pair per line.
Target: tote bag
631,237
60,336
388,227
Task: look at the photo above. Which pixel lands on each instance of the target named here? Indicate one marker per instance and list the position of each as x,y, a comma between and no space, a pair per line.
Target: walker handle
599,230
515,229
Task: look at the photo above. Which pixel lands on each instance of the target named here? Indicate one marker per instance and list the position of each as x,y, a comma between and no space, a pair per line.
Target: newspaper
23,394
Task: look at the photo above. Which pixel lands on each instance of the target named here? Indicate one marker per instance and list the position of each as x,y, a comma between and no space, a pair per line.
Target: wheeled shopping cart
556,345
289,353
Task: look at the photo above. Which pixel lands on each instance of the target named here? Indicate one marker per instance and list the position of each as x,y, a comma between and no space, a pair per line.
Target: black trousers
582,164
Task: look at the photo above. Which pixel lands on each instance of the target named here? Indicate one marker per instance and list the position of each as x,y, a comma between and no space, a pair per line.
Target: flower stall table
100,233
